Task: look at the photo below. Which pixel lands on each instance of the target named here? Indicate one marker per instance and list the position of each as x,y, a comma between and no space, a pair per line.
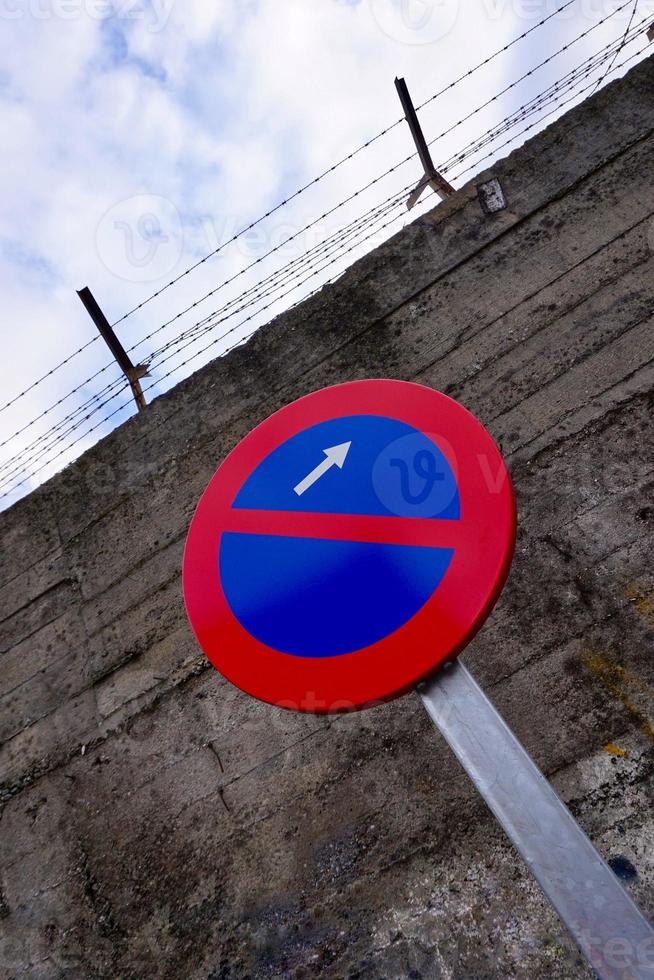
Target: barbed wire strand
569,80
528,74
624,39
527,129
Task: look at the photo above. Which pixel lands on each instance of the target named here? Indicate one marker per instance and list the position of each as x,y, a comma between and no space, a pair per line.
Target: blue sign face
313,597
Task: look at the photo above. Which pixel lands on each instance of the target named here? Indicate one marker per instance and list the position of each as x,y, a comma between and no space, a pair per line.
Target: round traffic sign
349,545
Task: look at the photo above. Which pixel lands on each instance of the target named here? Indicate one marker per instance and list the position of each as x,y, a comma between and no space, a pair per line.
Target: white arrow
335,456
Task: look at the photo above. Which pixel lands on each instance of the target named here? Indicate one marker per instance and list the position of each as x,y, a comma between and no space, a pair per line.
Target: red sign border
460,605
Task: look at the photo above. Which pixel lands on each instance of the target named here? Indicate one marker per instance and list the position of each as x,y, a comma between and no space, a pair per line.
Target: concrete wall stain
623,685
642,601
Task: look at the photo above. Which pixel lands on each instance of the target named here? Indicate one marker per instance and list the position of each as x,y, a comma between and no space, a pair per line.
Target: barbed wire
27,453
285,273
59,436
604,54
222,285
624,39
398,205
326,214
301,190
597,59
559,105
52,458
315,180
530,73
48,374
330,249
251,295
558,88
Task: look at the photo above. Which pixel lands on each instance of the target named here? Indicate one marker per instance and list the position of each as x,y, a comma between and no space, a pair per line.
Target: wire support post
133,372
432,178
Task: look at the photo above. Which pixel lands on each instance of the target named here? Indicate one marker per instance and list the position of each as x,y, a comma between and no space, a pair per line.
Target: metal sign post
608,927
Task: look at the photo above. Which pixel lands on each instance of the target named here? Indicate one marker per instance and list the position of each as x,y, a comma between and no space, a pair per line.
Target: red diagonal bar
425,532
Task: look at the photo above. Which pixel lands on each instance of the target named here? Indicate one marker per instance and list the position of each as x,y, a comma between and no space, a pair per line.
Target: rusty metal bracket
133,372
432,178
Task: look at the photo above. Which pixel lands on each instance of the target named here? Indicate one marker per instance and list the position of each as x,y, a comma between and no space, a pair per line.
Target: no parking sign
345,550
351,543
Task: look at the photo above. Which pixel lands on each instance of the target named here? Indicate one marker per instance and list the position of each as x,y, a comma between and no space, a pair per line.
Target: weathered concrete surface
156,822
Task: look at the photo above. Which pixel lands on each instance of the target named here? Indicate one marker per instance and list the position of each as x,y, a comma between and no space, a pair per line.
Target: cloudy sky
143,135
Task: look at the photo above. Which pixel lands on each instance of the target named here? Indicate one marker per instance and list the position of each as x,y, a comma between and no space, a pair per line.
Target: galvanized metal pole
132,372
608,927
432,178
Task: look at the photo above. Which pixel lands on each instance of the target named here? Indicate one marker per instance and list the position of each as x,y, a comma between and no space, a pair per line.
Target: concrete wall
158,823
